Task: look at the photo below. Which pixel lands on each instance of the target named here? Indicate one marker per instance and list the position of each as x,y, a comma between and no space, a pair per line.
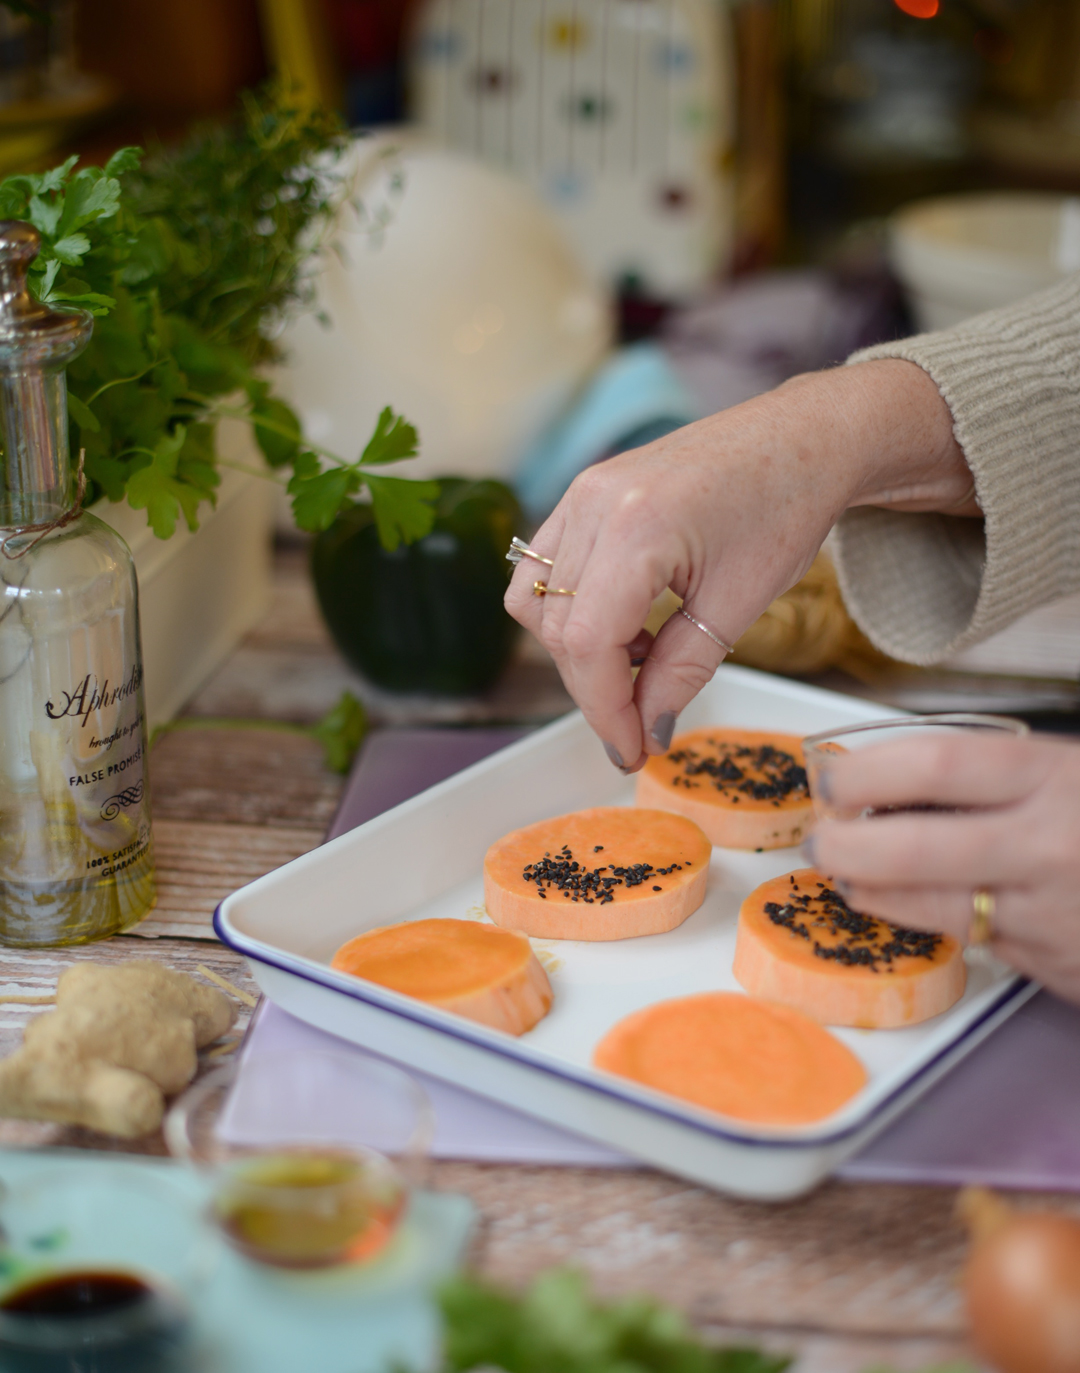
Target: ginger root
121,1039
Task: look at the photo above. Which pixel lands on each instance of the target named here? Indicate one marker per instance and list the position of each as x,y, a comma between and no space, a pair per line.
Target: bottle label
102,725
88,697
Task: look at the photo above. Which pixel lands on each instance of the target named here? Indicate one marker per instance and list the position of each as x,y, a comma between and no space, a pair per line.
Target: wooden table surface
852,1277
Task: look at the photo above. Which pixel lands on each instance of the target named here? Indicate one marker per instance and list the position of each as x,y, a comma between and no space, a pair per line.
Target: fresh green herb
190,260
318,496
556,1327
341,730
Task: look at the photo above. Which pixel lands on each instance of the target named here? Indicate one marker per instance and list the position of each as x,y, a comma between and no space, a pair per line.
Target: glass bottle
76,861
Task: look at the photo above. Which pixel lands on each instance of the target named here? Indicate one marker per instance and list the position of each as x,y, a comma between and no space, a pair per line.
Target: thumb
681,662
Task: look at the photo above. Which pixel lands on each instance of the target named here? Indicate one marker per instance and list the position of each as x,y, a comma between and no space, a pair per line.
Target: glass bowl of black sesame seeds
820,751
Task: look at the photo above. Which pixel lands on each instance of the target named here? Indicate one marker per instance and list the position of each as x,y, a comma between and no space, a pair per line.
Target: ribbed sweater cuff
924,586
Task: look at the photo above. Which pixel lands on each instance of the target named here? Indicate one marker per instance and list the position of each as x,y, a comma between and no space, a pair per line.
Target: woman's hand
1021,840
728,513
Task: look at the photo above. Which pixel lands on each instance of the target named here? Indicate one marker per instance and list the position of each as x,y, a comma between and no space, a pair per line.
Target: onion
1022,1285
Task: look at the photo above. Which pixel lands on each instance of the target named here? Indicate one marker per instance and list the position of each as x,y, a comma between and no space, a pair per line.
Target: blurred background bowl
959,255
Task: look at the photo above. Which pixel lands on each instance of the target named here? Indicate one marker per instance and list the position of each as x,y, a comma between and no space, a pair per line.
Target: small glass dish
312,1155
819,749
100,1269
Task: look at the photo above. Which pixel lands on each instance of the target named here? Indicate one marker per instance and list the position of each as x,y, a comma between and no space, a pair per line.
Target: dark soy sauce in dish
91,1321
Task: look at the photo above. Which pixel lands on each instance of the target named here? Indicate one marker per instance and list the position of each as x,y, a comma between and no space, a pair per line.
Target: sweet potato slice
800,944
737,1055
476,971
613,872
746,788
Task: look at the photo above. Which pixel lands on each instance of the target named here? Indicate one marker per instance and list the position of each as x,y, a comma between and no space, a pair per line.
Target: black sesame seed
861,940
779,774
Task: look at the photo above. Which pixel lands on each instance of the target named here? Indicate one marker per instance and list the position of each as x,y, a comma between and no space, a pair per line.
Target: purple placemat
395,764
1007,1116
466,1125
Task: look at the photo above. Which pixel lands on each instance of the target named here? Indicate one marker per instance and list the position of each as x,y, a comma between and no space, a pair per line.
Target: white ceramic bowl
455,298
960,255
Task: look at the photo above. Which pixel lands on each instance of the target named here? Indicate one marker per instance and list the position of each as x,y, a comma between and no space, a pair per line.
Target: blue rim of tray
1012,990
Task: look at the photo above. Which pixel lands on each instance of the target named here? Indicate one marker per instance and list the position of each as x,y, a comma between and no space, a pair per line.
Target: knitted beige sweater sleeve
924,586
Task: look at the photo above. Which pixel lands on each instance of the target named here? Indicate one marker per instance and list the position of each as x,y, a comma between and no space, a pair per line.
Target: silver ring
706,630
520,549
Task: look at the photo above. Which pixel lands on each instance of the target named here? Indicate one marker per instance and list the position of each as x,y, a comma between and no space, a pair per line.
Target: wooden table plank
242,777
198,864
867,1259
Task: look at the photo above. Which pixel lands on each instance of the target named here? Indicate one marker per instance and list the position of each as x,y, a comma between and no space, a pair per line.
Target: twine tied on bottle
41,530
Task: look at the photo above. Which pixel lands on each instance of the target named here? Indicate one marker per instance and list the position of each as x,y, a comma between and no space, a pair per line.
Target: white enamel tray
425,858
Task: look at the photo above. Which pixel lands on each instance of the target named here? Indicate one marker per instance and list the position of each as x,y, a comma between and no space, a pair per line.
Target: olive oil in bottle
75,848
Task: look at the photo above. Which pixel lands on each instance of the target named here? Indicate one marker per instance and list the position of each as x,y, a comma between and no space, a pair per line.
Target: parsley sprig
556,1327
190,259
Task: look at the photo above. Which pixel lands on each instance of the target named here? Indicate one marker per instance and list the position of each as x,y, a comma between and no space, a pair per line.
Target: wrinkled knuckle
694,676
551,635
590,484
577,638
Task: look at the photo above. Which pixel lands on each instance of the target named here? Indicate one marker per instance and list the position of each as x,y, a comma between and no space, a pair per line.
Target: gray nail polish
663,728
615,756
809,850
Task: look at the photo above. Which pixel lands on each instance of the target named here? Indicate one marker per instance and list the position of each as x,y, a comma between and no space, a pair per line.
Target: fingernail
636,662
615,756
808,849
663,728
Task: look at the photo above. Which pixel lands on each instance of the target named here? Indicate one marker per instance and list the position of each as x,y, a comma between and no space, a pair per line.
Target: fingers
682,661
603,659
520,602
589,636
965,768
593,634
921,851
948,909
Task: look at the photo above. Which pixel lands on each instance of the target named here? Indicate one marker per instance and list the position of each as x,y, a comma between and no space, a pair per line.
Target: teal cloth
249,1318
635,398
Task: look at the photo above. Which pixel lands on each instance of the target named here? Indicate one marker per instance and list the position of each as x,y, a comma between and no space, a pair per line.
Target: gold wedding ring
542,589
983,909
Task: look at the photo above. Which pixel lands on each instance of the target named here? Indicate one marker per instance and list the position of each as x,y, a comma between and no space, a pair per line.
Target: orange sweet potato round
736,1055
746,788
479,972
798,943
613,872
